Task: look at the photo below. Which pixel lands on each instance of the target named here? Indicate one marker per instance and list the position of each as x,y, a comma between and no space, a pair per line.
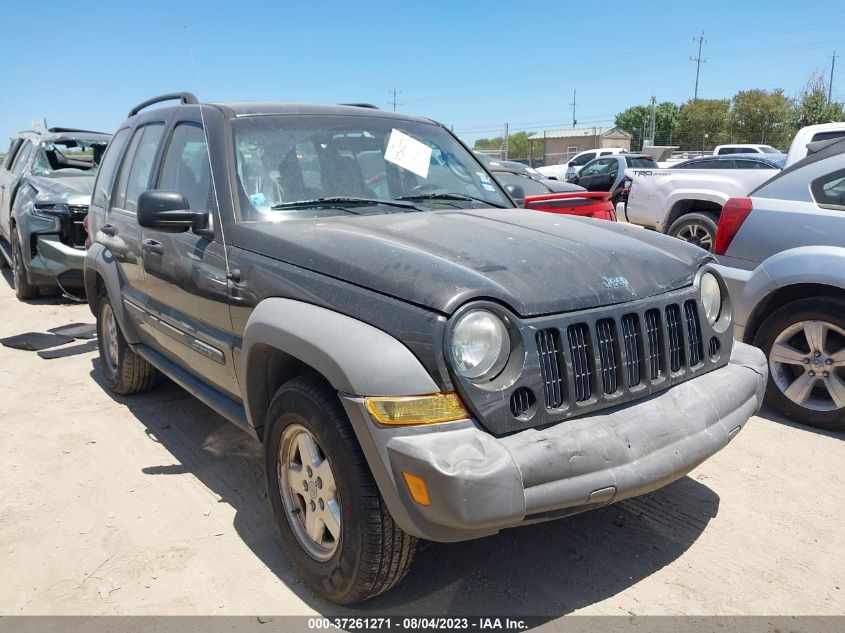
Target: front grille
633,343
606,340
655,343
73,233
676,348
605,358
551,367
580,351
694,330
521,401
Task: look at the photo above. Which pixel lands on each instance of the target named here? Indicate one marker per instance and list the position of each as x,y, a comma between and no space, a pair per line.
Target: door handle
152,246
109,230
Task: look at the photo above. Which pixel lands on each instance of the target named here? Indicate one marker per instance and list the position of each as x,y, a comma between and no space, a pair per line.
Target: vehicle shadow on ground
51,297
546,570
767,413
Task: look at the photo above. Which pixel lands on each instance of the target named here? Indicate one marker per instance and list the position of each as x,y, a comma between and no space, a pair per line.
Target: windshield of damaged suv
68,157
309,166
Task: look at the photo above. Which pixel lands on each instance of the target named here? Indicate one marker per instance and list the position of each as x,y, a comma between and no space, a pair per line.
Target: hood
536,263
74,190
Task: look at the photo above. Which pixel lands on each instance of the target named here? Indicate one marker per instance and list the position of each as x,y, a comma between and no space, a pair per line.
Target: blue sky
471,65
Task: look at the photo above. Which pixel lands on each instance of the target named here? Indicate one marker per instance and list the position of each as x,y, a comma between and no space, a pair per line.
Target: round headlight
711,297
480,344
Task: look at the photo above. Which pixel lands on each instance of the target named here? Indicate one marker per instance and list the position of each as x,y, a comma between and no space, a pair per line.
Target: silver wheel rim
109,339
309,493
807,363
697,234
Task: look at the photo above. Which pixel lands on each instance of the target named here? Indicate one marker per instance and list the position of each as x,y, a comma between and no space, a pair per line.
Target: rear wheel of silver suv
125,371
805,344
335,527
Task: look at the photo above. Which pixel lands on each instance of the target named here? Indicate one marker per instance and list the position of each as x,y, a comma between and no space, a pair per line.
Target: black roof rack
184,97
62,130
360,105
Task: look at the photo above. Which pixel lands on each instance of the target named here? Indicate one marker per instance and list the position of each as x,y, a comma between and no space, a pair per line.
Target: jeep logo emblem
615,282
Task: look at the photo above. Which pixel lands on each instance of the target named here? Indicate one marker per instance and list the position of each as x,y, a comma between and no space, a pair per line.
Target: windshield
68,157
308,166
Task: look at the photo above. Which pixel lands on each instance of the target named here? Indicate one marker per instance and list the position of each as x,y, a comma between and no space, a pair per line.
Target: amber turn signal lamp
416,487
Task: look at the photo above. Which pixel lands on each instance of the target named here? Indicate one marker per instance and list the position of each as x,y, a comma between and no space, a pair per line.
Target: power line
698,61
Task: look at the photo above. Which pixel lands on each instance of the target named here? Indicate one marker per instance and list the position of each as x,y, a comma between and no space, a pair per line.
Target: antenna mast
208,155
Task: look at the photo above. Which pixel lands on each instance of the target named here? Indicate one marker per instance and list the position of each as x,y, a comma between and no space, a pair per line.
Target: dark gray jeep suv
419,357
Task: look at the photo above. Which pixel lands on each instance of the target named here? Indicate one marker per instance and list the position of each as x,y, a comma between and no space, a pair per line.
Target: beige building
558,146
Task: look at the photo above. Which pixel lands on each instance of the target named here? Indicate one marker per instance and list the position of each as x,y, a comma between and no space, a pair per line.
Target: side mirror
571,163
517,193
165,211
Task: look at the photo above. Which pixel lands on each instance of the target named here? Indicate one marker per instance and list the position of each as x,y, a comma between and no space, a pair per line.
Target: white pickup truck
686,202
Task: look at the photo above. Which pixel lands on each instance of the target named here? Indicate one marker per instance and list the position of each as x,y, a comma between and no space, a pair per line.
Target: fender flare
821,265
99,261
689,195
355,357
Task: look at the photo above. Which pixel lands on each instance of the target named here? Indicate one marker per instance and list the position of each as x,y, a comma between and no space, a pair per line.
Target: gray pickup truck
419,357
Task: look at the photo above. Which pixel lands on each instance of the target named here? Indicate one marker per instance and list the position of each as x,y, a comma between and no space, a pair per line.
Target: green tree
634,120
637,119
813,106
761,116
517,145
702,123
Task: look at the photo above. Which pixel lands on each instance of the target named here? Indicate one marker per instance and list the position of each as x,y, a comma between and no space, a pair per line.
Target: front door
185,273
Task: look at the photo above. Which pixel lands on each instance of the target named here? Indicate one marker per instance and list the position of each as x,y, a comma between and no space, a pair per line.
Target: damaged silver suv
419,357
46,182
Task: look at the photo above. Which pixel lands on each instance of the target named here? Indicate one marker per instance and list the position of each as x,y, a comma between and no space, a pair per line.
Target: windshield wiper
341,202
451,196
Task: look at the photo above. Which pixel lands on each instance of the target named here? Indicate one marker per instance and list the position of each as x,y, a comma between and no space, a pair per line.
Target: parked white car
567,170
744,148
686,200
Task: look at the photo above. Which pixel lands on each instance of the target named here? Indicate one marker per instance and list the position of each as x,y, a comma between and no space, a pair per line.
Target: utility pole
573,104
505,143
653,122
830,83
395,103
698,61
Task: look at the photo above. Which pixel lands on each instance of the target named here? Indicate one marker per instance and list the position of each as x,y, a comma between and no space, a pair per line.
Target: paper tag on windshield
408,153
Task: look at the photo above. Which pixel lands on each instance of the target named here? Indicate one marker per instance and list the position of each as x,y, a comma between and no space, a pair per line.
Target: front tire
23,289
335,527
125,371
805,344
697,228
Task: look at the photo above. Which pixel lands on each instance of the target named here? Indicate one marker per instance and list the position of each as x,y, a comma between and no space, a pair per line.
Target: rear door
185,273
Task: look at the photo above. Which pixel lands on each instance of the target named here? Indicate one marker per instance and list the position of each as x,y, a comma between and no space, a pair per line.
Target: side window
10,155
752,164
829,190
21,159
137,165
584,159
108,167
186,168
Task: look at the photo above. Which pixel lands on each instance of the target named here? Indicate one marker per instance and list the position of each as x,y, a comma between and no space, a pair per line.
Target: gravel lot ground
155,505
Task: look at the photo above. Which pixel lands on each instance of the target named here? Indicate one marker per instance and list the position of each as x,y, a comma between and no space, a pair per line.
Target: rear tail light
733,215
626,185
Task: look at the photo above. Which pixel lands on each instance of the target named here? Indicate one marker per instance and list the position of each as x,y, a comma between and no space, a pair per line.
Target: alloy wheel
110,344
807,363
698,235
309,492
